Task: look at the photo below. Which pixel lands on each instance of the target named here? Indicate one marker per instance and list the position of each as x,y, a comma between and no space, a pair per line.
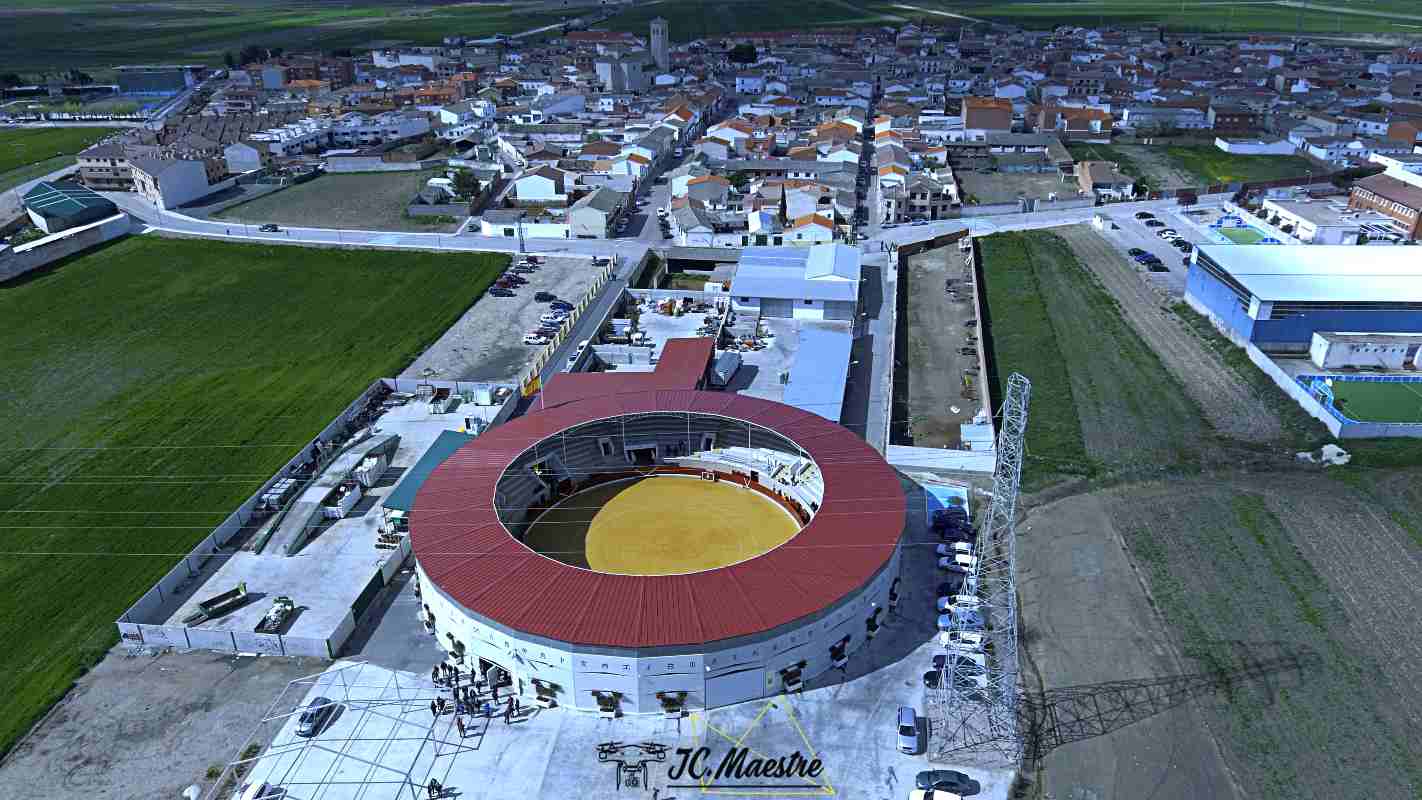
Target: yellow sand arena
665,525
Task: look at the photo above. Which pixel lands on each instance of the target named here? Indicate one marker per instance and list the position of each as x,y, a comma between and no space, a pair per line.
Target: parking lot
1126,232
486,344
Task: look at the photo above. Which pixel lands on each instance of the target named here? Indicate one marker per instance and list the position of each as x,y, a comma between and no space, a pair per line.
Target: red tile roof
472,558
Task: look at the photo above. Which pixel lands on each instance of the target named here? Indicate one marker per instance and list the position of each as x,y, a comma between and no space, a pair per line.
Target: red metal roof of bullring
467,552
682,365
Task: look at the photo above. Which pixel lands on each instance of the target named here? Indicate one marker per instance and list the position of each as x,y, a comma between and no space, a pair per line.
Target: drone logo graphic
632,760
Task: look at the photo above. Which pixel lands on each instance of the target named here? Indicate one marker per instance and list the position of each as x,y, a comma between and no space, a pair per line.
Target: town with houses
811,137
933,408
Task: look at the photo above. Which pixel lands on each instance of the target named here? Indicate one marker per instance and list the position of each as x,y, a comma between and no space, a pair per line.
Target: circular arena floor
662,525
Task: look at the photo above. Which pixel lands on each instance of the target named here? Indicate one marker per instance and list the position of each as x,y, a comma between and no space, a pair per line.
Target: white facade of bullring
713,675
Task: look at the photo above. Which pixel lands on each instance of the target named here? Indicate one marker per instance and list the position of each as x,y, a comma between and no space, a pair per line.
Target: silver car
315,716
908,730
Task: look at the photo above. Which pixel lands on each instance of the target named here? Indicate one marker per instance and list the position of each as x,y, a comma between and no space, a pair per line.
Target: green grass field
361,201
1370,401
153,385
20,147
1401,17
1101,399
1213,165
694,19
97,35
1241,235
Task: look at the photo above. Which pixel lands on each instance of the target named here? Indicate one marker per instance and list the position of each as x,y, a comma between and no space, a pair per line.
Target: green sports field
152,386
1241,235
1372,401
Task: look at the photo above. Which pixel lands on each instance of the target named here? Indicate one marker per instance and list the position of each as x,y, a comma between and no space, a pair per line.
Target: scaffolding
975,707
395,746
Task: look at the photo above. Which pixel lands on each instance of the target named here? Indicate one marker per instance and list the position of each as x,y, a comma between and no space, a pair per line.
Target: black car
269,228
544,297
562,305
950,587
947,780
497,292
1136,251
1154,223
930,679
1144,215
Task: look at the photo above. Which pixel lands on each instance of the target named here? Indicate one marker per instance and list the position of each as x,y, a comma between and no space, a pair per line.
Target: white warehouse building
816,282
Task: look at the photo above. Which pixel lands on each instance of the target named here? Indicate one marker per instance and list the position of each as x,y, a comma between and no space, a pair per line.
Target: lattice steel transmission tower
974,710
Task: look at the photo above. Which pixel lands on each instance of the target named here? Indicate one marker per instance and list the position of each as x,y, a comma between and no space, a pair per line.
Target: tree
11,79
229,59
739,180
743,54
466,184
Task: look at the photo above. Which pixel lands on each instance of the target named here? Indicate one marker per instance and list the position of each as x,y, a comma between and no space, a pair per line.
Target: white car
963,641
957,601
577,353
933,794
554,317
533,339
959,562
954,548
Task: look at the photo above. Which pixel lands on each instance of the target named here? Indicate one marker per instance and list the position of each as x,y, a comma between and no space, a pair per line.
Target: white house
169,183
545,185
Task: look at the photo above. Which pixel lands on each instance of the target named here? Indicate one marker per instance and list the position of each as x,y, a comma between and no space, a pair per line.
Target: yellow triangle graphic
702,729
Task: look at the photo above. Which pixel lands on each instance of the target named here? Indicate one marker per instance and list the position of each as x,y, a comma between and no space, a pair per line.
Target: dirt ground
147,726
1247,567
1155,163
1228,403
935,332
1086,624
362,201
486,344
1004,187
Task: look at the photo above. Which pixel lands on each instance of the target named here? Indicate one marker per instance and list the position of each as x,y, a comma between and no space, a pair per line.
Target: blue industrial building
1276,296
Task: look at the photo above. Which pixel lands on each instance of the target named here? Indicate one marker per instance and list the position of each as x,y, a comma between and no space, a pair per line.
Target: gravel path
1228,403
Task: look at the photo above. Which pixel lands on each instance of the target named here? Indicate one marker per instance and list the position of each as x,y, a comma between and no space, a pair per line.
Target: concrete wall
41,252
374,164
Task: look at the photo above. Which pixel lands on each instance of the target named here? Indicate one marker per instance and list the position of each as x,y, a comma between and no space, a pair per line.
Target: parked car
946,780
1154,223
949,603
908,730
1144,215
497,292
534,339
953,548
968,618
561,305
315,716
270,228
544,297
1135,251
1183,246
963,641
554,317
